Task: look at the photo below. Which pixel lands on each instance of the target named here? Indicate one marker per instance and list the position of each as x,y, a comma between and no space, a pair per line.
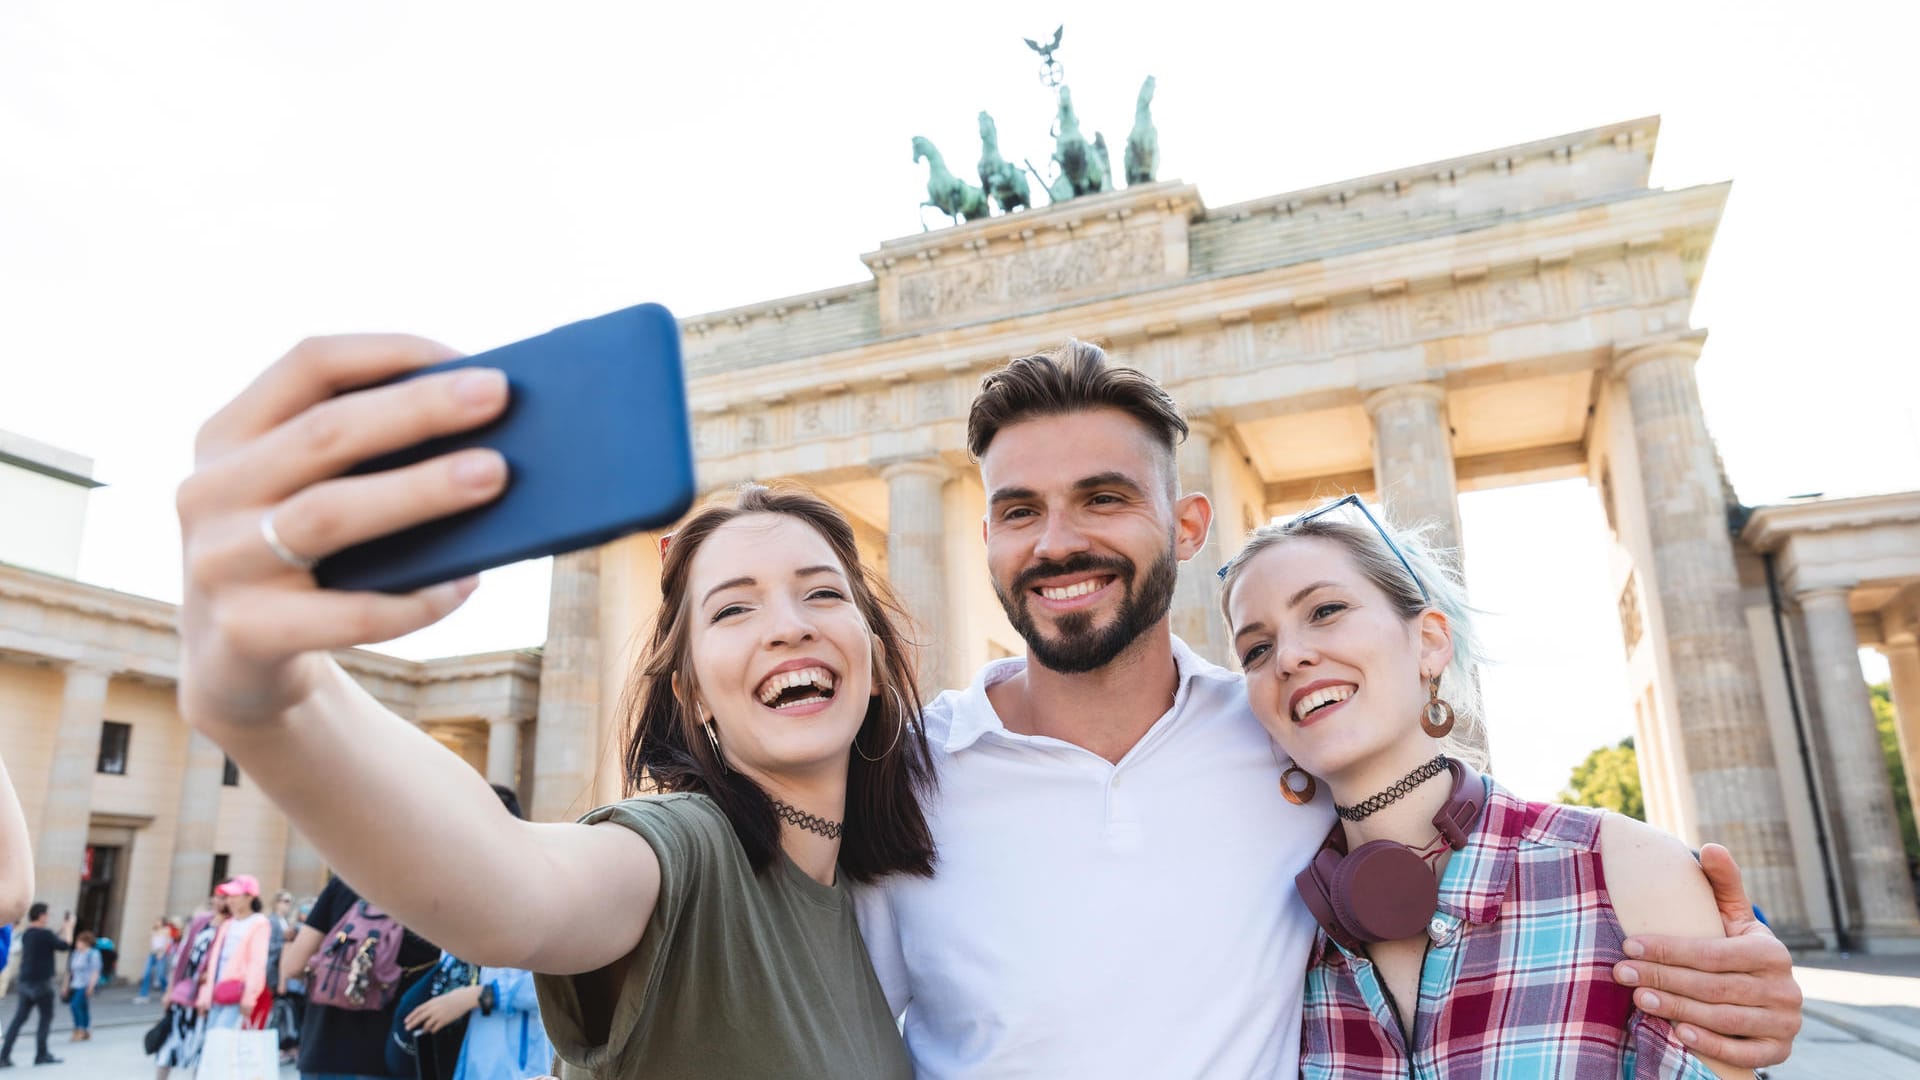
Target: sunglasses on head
1353,500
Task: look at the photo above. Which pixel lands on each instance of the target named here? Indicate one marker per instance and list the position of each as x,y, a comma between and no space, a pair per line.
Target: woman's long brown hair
886,828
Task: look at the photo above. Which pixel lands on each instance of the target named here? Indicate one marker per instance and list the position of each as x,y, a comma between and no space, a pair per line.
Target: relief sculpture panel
1023,277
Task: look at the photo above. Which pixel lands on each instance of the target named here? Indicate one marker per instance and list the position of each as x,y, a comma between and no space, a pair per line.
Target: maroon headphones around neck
1385,891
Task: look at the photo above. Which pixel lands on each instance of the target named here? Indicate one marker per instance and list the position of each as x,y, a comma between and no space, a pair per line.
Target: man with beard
1114,894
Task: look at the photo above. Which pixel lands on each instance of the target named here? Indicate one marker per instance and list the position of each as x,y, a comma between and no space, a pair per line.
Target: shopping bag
232,1054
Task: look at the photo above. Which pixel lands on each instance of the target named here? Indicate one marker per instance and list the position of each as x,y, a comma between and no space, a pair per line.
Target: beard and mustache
1080,646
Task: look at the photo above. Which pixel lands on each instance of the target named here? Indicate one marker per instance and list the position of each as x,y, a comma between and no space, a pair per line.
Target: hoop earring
1298,796
713,740
1437,718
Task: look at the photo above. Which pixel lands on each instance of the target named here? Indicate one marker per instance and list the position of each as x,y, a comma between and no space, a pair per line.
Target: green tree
1610,777
1890,745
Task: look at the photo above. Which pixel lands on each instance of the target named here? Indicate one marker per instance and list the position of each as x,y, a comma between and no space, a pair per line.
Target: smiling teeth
787,680
1070,591
1318,698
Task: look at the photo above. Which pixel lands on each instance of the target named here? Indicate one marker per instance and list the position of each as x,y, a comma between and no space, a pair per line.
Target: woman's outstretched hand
267,467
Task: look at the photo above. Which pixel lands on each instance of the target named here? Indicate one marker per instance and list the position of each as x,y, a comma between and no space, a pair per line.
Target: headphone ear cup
1383,892
1314,885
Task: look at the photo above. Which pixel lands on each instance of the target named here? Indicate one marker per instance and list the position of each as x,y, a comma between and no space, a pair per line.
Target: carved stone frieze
1106,261
1094,246
1306,330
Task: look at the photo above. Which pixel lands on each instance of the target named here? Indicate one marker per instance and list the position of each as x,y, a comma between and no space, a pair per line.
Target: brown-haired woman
703,929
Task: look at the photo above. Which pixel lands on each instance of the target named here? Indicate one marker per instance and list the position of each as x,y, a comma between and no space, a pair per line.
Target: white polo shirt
1087,919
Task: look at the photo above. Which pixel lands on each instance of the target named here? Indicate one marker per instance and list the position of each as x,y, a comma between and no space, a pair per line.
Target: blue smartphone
597,443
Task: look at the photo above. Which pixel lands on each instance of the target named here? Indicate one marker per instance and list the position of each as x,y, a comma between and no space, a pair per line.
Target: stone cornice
1629,229
100,637
521,662
53,591
699,324
1640,135
1770,527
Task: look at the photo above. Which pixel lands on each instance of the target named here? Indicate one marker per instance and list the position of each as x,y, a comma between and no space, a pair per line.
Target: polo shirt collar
974,715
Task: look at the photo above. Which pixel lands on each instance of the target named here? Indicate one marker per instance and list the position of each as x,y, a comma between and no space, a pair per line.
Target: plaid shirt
1517,981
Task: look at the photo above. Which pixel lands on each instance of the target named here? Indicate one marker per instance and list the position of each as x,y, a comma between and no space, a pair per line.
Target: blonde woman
1464,932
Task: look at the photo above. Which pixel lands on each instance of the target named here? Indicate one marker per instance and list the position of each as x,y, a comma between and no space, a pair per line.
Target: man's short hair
38,909
1075,377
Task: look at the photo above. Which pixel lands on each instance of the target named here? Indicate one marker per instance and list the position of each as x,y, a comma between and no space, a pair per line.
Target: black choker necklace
1395,792
800,819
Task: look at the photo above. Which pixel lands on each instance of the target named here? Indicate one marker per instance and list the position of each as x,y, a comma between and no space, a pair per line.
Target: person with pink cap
232,983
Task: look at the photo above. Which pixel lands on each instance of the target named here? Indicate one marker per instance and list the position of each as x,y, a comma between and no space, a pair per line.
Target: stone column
916,560
1413,471
1863,797
1720,719
1903,661
68,808
193,832
1413,459
1196,601
305,872
567,731
503,751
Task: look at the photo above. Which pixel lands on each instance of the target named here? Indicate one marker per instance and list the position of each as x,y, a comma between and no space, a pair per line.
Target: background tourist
335,1040
235,975
83,976
181,1027
35,950
153,975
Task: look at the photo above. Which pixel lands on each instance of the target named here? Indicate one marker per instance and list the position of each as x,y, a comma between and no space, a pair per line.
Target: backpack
358,966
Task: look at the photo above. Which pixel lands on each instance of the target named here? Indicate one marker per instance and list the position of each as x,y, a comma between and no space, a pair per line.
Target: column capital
931,467
1685,348
91,665
1904,645
1823,595
1424,390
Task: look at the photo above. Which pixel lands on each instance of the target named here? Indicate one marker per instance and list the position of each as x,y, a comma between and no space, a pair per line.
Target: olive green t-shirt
737,975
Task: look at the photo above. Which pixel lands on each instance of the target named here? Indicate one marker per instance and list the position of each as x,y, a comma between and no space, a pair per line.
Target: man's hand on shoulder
1731,998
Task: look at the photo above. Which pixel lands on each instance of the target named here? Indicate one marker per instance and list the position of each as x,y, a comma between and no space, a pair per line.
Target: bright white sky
189,188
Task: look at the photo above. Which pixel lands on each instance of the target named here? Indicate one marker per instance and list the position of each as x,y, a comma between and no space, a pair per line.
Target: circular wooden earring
1437,718
1298,796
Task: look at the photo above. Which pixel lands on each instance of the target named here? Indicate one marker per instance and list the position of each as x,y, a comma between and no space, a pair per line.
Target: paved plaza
1863,1023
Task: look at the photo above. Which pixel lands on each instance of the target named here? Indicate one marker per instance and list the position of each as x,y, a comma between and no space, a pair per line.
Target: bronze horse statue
1080,163
1143,144
946,192
1002,182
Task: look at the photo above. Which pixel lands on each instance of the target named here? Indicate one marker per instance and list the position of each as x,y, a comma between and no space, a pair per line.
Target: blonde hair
1436,569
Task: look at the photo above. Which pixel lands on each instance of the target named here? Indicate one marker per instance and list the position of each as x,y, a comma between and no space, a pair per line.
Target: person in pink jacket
235,974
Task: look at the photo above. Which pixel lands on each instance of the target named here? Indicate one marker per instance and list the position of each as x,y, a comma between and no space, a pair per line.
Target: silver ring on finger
281,550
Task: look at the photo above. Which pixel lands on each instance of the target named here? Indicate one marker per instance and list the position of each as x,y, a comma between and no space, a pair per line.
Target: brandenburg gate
1512,316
